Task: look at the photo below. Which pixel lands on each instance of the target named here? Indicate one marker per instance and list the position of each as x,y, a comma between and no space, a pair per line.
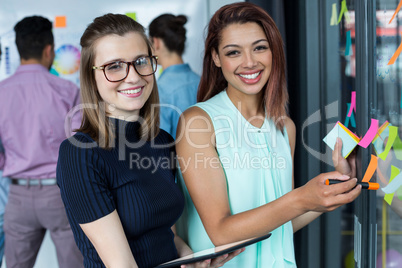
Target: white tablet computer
212,252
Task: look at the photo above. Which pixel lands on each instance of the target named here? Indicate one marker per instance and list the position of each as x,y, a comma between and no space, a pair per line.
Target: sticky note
334,15
394,184
343,12
393,132
370,134
370,169
398,147
388,197
352,103
349,139
60,22
382,134
351,118
348,49
396,55
396,11
132,15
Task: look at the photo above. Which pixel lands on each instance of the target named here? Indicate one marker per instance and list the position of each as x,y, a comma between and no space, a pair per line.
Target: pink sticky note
352,103
370,134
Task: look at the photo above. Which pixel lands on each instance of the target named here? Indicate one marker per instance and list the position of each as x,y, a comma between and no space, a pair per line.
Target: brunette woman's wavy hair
212,80
94,121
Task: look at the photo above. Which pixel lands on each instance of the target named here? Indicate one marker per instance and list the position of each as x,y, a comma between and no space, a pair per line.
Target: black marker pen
365,185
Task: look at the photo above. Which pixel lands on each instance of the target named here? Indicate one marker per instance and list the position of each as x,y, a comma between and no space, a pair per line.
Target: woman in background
117,173
237,146
177,84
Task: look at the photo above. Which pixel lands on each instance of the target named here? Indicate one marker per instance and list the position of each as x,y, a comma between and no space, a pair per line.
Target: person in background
33,109
117,173
4,188
237,146
177,84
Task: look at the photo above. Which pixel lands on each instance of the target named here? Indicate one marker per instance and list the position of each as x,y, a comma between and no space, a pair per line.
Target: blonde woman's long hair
94,121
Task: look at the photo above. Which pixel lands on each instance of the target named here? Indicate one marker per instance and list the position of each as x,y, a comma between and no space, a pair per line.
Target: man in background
4,186
33,108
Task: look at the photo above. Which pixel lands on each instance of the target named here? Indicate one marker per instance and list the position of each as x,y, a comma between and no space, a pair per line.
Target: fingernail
346,177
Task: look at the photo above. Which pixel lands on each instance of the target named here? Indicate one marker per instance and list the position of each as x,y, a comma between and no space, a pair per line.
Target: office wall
79,14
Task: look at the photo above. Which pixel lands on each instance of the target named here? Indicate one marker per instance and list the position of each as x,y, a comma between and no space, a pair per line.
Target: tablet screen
212,252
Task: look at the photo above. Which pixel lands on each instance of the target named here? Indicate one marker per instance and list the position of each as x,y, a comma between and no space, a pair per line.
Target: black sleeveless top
136,178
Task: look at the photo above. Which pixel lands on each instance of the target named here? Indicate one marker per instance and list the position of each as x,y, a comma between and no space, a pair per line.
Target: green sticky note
132,15
398,147
393,132
394,172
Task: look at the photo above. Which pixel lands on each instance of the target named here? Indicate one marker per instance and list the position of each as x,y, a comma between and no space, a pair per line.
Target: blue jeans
1,238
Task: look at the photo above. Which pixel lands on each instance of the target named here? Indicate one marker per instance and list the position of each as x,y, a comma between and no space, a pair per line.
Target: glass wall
350,70
343,17
387,108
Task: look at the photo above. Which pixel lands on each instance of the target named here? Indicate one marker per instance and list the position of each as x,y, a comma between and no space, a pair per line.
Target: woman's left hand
216,262
342,165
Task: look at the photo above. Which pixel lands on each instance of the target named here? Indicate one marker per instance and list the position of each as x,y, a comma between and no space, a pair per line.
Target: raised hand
344,166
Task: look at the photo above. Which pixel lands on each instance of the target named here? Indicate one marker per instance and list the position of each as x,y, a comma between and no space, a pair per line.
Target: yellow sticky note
334,15
132,15
60,22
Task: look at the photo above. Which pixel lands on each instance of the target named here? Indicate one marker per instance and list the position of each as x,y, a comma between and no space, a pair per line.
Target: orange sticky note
60,22
396,55
370,169
396,11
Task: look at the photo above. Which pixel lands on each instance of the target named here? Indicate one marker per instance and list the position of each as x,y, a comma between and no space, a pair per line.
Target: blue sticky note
378,142
348,49
351,118
349,140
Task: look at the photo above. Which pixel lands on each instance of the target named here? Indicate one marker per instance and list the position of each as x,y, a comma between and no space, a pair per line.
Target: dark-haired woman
237,146
177,84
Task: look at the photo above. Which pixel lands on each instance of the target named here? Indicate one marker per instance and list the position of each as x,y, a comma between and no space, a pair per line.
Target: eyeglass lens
119,70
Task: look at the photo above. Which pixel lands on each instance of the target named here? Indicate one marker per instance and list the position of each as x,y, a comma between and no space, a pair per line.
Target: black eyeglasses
118,70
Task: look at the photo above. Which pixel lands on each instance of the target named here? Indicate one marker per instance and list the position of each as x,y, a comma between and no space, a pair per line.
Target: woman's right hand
317,196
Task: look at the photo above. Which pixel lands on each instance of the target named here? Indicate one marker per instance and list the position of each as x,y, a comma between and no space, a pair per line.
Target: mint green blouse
258,166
